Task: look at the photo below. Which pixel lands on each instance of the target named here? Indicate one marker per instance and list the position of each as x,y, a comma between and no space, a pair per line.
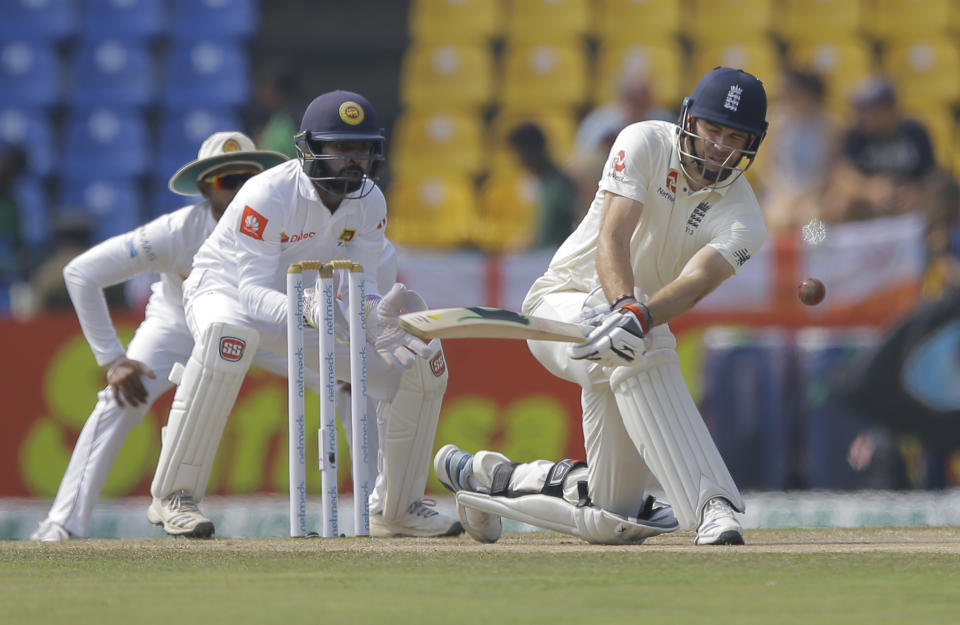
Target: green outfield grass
781,577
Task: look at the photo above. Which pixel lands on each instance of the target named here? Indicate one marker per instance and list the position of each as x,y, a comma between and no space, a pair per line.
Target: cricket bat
486,323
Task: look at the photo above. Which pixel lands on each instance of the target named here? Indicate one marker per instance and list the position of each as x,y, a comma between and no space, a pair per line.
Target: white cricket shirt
278,219
165,246
675,223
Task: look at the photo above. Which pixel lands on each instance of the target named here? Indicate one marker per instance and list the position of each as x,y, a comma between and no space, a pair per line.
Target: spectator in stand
634,103
275,114
601,126
558,192
942,237
886,160
906,384
795,165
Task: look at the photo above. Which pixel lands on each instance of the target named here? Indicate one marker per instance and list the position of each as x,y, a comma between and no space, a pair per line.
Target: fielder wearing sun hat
219,149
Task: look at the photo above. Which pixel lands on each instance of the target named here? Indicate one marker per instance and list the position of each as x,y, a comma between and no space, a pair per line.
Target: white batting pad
665,425
595,525
408,427
208,388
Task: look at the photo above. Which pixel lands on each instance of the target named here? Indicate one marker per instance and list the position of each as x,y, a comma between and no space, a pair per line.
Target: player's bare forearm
620,218
701,275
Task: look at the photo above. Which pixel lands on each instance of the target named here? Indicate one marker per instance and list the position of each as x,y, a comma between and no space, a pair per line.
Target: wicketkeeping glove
391,339
313,311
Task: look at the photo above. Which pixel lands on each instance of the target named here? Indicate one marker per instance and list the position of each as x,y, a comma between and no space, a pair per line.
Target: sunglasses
230,180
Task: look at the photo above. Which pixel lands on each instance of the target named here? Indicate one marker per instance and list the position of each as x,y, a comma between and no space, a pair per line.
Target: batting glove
617,339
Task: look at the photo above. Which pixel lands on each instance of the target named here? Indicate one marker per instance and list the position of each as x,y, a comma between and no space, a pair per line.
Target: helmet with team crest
340,144
725,98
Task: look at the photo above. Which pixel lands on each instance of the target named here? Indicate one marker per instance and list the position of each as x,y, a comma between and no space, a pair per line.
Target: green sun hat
219,149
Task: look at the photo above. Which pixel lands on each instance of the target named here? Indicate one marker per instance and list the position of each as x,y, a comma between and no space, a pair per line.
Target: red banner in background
498,397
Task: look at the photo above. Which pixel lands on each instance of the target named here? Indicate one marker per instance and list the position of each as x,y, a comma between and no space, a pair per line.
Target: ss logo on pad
231,348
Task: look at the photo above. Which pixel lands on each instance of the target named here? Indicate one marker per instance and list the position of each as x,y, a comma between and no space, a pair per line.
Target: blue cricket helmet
340,116
728,97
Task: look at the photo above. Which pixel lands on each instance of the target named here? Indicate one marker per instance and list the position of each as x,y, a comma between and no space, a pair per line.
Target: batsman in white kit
138,374
322,206
673,218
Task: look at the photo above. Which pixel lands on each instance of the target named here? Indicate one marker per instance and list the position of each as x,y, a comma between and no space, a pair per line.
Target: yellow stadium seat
547,20
437,143
431,212
758,56
462,21
941,125
509,203
442,75
558,127
925,69
623,21
907,19
842,62
727,21
664,64
805,20
544,75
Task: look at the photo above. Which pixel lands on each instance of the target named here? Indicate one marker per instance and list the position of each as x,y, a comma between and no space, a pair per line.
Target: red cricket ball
811,291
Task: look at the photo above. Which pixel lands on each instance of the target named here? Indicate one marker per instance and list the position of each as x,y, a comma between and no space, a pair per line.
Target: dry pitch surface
798,576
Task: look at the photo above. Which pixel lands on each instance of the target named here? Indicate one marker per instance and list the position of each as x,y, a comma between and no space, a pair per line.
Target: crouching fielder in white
323,206
673,217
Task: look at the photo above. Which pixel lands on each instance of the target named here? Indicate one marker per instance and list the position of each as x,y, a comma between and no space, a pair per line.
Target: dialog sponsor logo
286,238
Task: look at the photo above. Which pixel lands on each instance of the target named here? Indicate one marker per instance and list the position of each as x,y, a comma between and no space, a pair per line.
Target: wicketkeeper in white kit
137,375
322,206
672,219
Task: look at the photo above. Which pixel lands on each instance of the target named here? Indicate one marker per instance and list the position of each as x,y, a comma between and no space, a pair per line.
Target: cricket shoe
422,520
179,515
50,532
719,525
454,467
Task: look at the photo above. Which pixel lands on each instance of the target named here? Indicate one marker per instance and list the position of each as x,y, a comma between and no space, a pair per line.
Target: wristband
623,298
643,315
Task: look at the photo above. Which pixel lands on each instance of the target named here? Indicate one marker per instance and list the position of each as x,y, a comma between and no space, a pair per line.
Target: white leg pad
409,425
208,388
595,525
663,422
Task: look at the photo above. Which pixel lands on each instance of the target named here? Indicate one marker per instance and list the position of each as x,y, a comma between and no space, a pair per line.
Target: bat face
485,322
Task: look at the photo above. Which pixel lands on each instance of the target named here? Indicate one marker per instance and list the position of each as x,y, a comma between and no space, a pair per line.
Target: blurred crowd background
499,115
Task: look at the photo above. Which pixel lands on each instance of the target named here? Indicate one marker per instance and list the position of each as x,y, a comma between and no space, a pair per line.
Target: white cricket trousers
618,479
158,345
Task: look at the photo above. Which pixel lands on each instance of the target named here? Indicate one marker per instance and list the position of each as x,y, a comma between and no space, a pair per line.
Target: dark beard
710,176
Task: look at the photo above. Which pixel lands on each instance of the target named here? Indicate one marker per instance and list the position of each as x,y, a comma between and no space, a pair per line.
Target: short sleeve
632,159
739,239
